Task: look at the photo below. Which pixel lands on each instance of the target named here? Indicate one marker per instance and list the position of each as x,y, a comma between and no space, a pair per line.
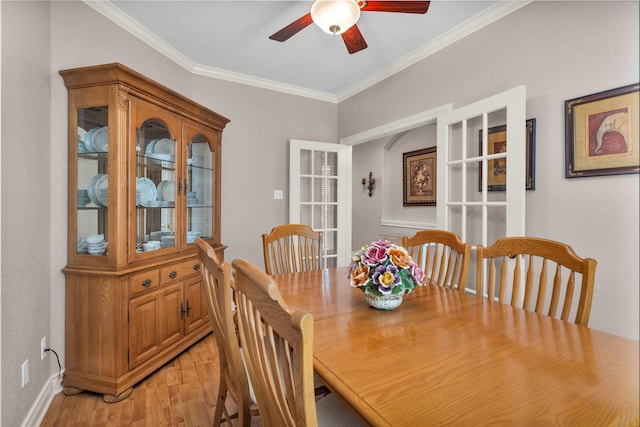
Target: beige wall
544,46
559,50
26,200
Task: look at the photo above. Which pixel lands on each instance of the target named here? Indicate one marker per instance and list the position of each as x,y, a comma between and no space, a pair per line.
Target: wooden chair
442,255
233,375
291,248
278,345
507,259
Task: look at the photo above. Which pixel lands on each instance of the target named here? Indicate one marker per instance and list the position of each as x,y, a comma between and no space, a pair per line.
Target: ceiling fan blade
353,40
397,6
292,29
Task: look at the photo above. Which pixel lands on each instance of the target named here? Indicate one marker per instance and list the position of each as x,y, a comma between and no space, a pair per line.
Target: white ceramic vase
385,302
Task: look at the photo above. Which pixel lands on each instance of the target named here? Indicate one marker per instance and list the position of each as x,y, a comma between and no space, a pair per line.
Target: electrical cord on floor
58,359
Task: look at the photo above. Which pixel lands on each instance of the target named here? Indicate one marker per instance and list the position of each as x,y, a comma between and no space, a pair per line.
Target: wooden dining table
450,358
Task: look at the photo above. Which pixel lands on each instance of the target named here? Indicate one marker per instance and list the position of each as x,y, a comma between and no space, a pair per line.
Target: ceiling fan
339,17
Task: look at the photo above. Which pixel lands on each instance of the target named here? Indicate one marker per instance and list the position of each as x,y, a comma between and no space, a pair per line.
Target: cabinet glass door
155,187
92,181
199,190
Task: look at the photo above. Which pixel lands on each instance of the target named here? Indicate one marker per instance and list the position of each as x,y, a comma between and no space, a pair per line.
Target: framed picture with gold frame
497,142
601,133
419,177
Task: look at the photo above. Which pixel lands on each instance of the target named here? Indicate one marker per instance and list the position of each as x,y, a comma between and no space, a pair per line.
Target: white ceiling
229,40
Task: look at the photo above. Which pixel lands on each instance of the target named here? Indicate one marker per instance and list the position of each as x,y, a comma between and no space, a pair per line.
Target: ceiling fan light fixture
335,16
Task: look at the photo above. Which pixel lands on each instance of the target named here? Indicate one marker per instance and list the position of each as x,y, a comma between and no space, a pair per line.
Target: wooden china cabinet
144,183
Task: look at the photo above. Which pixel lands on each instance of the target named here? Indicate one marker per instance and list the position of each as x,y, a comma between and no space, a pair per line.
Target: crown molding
246,79
114,14
471,25
133,27
492,14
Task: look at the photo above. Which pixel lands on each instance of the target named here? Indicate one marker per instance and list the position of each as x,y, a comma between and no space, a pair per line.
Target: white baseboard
41,405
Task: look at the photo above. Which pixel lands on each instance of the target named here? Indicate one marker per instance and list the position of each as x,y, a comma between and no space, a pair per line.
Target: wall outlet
278,194
43,347
25,372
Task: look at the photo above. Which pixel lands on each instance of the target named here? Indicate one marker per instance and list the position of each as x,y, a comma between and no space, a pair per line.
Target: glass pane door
155,187
93,181
199,189
320,195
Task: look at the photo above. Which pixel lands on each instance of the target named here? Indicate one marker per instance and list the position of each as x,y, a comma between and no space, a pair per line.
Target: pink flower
417,273
374,255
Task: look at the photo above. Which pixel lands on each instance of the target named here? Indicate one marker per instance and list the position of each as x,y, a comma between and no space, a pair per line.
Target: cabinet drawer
179,271
144,281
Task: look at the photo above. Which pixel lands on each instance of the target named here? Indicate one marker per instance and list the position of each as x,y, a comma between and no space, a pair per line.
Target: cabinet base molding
109,398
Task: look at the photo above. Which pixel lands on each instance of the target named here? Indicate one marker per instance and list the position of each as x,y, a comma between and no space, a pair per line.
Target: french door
320,195
481,177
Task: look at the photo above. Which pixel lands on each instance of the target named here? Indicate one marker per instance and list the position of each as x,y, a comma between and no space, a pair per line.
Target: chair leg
321,391
221,404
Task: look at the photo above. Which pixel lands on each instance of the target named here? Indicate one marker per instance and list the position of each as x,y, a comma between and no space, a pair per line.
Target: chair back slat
569,297
291,248
515,294
542,286
503,281
442,256
233,376
509,254
278,343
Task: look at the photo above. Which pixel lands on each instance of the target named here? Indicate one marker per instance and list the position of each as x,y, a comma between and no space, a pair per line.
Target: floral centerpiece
384,272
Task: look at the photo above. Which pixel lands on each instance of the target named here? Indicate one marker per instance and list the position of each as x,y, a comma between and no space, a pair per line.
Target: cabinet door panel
171,321
197,309
144,315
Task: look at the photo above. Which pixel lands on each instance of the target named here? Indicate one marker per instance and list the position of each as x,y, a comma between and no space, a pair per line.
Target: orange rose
399,257
359,275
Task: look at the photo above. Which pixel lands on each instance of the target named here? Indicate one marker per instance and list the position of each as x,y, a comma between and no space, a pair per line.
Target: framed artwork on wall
419,177
497,173
601,133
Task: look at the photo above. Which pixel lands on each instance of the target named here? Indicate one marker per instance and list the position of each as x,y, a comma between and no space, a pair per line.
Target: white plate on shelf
88,137
100,139
169,191
157,156
164,146
91,190
159,189
150,146
145,190
81,133
102,190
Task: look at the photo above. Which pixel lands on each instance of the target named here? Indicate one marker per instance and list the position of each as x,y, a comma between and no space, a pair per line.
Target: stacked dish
192,236
81,146
83,198
151,245
96,244
167,191
192,199
168,241
160,149
81,244
101,189
146,191
99,194
97,140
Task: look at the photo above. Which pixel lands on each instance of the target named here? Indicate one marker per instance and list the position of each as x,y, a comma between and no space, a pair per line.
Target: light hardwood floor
181,393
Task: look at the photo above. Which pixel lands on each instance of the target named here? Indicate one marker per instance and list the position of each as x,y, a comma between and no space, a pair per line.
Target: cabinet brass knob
196,267
173,274
146,283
